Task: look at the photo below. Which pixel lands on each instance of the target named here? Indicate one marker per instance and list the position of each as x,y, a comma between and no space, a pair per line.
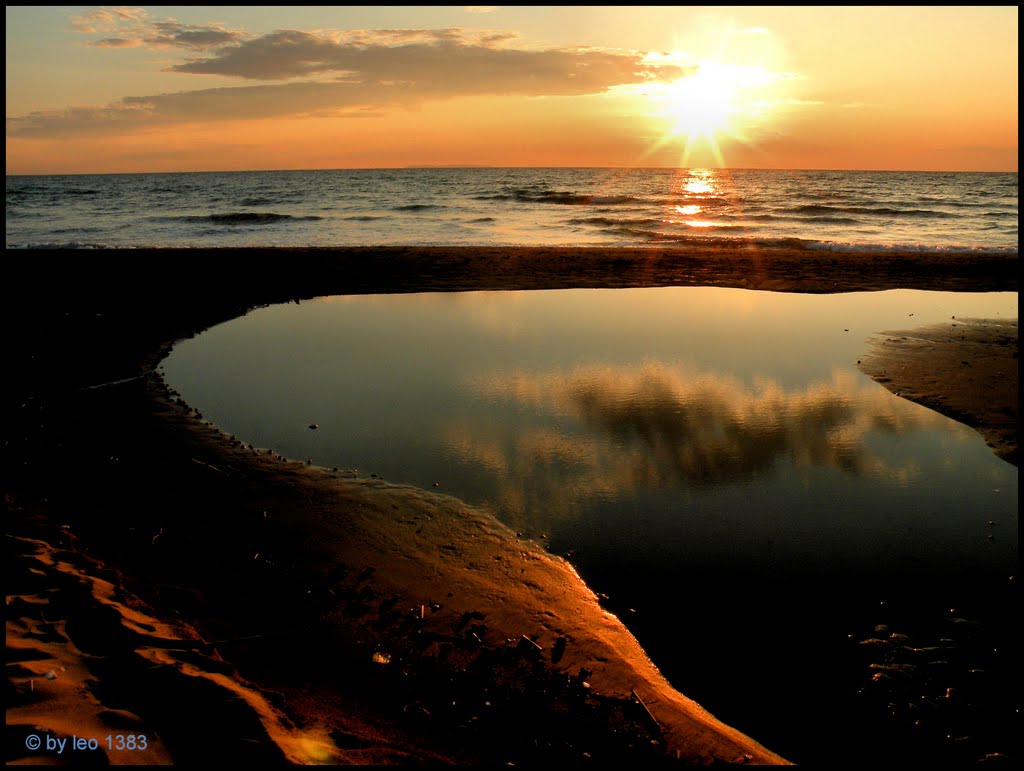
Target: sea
836,210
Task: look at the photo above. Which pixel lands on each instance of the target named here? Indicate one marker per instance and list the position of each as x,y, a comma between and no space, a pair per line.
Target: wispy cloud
348,71
134,29
106,19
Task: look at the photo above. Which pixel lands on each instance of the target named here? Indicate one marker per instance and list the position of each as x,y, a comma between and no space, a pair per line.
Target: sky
102,89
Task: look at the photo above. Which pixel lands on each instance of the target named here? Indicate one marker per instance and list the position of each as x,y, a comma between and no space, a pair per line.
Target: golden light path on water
699,186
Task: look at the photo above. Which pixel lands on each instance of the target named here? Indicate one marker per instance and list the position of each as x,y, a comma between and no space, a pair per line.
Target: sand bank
345,620
966,369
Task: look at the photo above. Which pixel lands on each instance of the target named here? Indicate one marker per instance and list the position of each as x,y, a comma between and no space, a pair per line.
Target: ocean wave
55,191
996,193
613,222
835,246
364,218
712,239
64,245
51,191
966,203
247,218
711,227
702,240
823,219
18,214
701,199
417,207
708,233
258,201
832,220
876,210
560,197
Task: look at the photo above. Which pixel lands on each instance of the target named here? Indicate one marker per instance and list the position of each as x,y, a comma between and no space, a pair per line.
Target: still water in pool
711,459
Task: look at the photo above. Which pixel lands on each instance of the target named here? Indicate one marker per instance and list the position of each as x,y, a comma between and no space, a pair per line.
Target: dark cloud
116,42
448,56
171,33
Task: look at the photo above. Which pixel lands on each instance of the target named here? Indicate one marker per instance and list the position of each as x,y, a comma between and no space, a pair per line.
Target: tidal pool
712,459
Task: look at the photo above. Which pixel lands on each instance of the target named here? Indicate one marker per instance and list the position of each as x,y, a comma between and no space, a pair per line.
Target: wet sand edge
965,369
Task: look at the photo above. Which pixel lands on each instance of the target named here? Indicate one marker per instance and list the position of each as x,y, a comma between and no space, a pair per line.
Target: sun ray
713,104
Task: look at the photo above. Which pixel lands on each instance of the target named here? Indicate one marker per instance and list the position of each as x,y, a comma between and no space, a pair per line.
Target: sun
702,104
715,100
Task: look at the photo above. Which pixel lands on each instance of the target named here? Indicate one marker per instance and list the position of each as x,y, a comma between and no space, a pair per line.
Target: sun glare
714,101
702,103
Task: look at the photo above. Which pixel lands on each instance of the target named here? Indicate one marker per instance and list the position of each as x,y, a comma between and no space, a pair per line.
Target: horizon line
456,166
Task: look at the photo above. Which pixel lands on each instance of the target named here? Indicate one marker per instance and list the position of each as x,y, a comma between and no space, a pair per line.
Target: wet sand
330,619
965,369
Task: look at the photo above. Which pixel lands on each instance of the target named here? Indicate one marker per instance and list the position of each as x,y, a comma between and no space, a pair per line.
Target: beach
965,369
147,547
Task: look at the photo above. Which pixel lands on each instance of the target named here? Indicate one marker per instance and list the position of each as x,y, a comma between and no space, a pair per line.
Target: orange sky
113,89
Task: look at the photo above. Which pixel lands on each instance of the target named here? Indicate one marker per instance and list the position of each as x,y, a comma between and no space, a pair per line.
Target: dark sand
966,369
234,606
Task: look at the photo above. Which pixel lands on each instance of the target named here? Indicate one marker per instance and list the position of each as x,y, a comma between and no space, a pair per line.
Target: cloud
133,113
105,19
134,29
450,56
354,70
79,121
116,42
171,33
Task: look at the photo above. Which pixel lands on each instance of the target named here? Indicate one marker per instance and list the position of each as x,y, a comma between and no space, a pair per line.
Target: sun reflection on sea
700,185
694,185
